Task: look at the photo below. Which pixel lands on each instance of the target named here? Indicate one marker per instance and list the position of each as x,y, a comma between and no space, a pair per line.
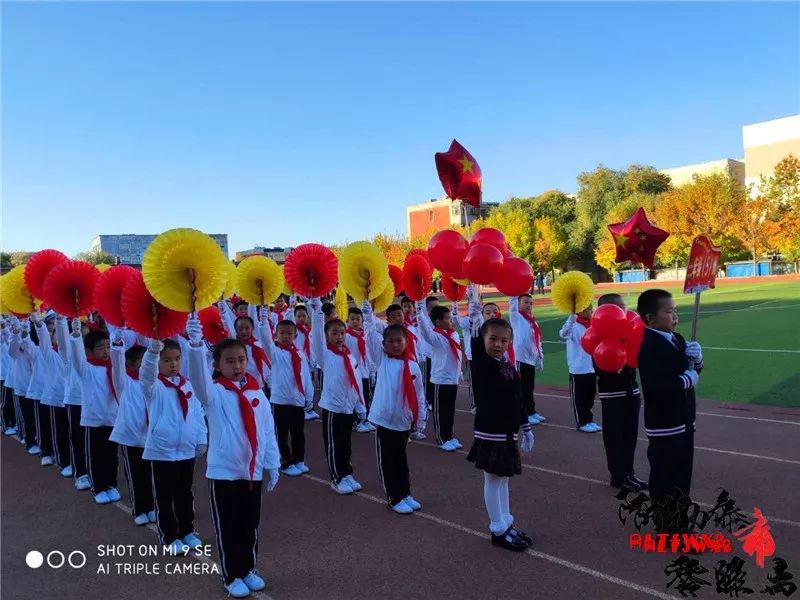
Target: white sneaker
352,483
66,471
301,466
34,450
238,589
10,431
473,410
141,519
102,498
448,446
363,427
401,508
83,483
178,548
417,435
596,426
113,494
292,471
412,503
47,461
533,420
151,516
192,540
254,582
310,416
456,443
587,428
540,417
342,487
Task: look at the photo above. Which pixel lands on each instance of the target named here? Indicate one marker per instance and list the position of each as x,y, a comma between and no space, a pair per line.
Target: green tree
642,179
20,258
598,192
783,186
96,257
5,261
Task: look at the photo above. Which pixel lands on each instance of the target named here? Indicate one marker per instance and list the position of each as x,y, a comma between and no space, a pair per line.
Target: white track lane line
203,559
534,553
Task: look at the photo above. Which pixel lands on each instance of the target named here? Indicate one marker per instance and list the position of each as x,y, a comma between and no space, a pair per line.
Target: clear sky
285,123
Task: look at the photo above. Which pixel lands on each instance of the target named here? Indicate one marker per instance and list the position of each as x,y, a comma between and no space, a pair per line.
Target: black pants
620,430
671,459
172,484
236,513
101,458
366,386
390,446
9,418
59,429
44,432
582,389
139,473
444,411
470,377
426,373
337,433
527,380
77,441
29,414
289,424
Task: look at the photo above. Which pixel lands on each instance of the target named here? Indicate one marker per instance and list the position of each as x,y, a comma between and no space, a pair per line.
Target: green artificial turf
747,318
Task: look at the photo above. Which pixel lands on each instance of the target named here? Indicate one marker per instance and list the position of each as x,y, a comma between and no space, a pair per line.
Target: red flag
460,174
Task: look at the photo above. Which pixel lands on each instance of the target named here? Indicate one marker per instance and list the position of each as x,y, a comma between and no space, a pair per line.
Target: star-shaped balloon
460,174
637,239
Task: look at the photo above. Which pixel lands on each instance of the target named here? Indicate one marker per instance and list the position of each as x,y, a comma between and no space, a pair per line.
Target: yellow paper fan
102,267
230,285
287,290
363,271
16,296
177,256
382,302
341,302
572,292
259,280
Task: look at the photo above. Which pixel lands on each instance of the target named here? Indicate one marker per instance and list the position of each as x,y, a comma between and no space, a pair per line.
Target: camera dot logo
34,559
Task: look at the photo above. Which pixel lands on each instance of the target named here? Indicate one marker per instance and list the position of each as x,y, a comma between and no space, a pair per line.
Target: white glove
75,327
693,376
421,424
263,314
539,363
315,304
694,351
572,319
156,346
117,338
200,450
194,329
292,300
366,308
527,441
274,475
35,319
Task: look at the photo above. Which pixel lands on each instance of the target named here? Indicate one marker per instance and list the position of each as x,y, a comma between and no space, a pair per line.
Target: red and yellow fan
145,315
17,299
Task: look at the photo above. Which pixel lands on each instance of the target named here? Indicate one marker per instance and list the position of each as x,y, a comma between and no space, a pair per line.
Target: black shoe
509,541
626,485
642,484
521,535
617,482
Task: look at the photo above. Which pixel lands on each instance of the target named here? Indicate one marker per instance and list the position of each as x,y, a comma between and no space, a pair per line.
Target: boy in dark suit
669,369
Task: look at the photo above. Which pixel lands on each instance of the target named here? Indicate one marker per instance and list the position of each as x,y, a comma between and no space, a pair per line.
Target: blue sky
285,123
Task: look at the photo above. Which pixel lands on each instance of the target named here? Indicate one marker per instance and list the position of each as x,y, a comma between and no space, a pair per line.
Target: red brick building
438,214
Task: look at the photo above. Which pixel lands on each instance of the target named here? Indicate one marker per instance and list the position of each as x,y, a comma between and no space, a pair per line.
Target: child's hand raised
527,441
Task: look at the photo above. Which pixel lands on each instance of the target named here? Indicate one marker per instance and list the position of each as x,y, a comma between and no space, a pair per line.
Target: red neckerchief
411,348
259,354
409,391
537,333
306,331
107,364
583,321
362,343
132,374
512,355
280,314
455,347
54,346
344,352
183,397
247,412
409,319
297,364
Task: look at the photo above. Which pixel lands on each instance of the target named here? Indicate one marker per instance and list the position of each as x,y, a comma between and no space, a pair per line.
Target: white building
129,247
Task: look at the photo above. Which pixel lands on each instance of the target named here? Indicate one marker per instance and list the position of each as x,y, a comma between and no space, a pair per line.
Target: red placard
702,268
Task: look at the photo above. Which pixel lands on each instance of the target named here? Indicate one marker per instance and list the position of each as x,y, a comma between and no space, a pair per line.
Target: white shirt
445,366
99,405
283,388
132,418
525,349
363,361
21,353
578,361
338,394
39,377
55,368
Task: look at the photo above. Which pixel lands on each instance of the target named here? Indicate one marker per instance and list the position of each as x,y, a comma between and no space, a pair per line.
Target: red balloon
482,263
452,290
610,322
515,278
610,356
637,239
590,340
634,339
446,251
460,174
493,237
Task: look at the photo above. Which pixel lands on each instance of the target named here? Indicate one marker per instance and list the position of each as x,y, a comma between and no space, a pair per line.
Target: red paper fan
37,268
69,288
452,290
213,328
417,274
396,275
108,293
146,316
419,252
311,270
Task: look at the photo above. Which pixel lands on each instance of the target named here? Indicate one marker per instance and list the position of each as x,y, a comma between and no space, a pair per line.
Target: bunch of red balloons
614,338
485,259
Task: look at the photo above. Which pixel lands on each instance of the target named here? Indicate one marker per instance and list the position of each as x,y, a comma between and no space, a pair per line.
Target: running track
317,545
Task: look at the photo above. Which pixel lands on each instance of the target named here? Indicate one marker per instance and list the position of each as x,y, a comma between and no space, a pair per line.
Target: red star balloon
637,239
460,174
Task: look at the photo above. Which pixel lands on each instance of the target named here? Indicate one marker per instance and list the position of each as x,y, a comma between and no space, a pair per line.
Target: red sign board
703,264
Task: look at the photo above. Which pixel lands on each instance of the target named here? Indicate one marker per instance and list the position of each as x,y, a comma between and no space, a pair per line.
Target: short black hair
525,295
496,323
438,312
240,303
395,329
328,308
607,299
286,323
134,353
226,345
430,299
300,307
354,310
93,338
393,308
333,323
406,300
236,322
650,301
171,345
283,297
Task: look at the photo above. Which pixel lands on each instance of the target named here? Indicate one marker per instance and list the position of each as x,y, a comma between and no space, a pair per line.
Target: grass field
750,334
